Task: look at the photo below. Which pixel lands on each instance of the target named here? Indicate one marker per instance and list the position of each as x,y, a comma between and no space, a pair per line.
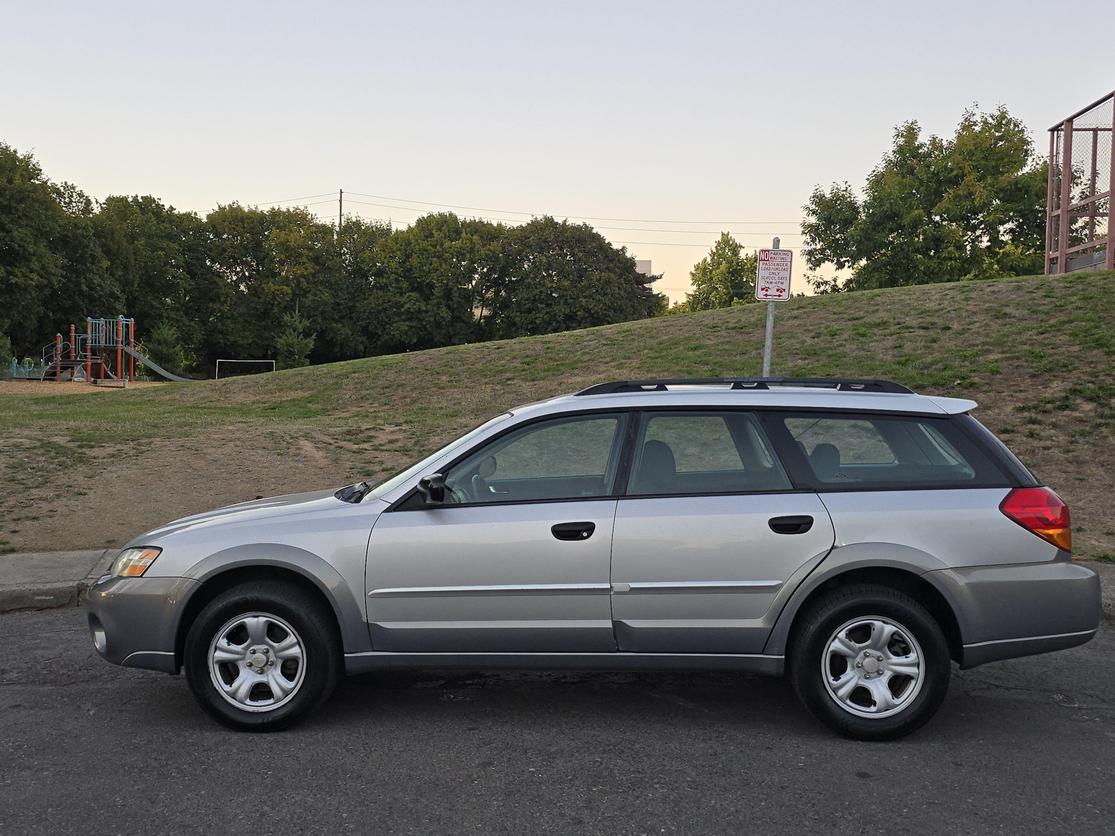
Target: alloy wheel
257,661
872,666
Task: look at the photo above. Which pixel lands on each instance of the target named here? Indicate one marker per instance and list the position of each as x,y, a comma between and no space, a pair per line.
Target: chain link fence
1081,185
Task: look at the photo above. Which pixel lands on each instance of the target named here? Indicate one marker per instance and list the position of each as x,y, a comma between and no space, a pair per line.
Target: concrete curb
1106,571
46,580
101,567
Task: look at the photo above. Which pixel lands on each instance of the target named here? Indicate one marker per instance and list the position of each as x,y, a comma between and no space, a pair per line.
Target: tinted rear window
1006,459
863,451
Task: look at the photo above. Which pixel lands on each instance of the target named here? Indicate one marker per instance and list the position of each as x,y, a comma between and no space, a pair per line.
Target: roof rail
616,387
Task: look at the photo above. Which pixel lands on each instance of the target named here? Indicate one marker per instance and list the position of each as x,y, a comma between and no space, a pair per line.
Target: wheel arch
904,570
224,570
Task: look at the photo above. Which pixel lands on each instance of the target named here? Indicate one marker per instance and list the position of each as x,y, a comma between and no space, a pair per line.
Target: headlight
132,563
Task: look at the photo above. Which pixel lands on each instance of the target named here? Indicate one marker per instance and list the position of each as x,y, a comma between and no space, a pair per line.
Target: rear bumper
1021,609
134,621
993,651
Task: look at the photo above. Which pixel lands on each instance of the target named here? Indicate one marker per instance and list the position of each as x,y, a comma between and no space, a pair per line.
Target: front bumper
1021,609
134,621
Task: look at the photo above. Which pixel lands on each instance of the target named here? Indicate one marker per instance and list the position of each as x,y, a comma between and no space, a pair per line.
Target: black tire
809,654
313,624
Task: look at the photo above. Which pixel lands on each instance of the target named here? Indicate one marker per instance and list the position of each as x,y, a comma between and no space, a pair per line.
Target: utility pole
769,342
340,210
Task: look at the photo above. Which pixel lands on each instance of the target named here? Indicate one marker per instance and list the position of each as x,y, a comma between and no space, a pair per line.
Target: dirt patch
107,497
311,453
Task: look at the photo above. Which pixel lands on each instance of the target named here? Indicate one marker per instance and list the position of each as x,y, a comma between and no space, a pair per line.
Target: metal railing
1080,190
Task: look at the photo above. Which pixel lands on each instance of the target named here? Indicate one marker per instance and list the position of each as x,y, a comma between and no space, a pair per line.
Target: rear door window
704,453
883,451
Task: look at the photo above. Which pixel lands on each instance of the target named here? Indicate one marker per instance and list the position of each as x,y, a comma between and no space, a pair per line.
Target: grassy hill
81,470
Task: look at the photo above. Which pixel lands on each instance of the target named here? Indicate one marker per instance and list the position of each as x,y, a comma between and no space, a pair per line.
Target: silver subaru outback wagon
854,535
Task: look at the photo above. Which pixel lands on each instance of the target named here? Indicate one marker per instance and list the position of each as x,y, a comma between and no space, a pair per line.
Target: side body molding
336,589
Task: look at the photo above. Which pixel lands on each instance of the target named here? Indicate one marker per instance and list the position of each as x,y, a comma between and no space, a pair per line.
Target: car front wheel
870,662
260,656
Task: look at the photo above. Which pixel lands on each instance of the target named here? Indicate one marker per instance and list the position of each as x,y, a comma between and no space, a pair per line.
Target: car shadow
534,699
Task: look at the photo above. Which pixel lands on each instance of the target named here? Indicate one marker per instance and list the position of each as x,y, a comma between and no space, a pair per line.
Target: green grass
1038,354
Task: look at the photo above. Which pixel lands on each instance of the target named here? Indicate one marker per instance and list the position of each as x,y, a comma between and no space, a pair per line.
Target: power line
332,202
680,244
696,231
294,199
416,210
614,241
596,226
566,215
718,223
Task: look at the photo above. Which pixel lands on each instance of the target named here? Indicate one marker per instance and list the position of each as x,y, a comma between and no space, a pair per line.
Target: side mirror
432,488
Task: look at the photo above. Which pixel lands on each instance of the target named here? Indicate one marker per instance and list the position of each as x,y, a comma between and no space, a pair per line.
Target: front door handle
796,524
573,530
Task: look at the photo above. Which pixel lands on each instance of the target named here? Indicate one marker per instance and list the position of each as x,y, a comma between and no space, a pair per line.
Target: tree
163,345
292,344
556,276
424,286
681,307
158,260
28,221
51,269
935,210
345,334
723,277
303,268
264,264
238,322
85,282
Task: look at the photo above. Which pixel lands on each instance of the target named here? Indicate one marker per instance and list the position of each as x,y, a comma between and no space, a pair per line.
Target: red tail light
1041,511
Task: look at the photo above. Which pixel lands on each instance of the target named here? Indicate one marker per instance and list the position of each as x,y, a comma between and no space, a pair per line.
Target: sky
661,124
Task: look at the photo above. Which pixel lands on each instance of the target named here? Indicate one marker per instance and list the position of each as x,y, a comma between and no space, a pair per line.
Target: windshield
388,485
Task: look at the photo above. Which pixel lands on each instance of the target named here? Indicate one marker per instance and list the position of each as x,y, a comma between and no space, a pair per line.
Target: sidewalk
41,580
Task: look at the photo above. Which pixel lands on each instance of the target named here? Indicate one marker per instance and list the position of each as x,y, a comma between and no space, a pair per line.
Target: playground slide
155,367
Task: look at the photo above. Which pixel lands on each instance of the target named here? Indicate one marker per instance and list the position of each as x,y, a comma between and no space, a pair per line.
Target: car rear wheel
870,662
260,656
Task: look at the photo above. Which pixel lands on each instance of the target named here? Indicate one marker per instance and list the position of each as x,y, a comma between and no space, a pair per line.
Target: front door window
559,459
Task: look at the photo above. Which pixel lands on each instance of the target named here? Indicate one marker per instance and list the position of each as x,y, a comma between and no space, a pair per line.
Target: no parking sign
772,275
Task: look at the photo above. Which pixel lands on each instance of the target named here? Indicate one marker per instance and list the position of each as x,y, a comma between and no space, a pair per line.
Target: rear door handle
795,524
573,530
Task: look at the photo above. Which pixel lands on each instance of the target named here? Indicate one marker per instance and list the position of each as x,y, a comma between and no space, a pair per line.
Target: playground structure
105,354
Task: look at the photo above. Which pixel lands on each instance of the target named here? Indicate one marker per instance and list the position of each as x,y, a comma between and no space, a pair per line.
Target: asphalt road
1022,746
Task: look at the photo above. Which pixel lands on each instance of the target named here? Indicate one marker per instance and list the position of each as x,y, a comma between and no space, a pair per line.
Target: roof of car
810,393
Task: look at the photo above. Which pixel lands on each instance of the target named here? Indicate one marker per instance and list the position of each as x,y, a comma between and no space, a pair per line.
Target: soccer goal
237,367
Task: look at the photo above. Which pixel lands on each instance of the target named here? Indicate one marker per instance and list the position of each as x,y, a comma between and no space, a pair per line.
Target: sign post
772,284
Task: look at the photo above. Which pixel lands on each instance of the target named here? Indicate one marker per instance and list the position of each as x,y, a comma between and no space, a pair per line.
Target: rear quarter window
878,452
